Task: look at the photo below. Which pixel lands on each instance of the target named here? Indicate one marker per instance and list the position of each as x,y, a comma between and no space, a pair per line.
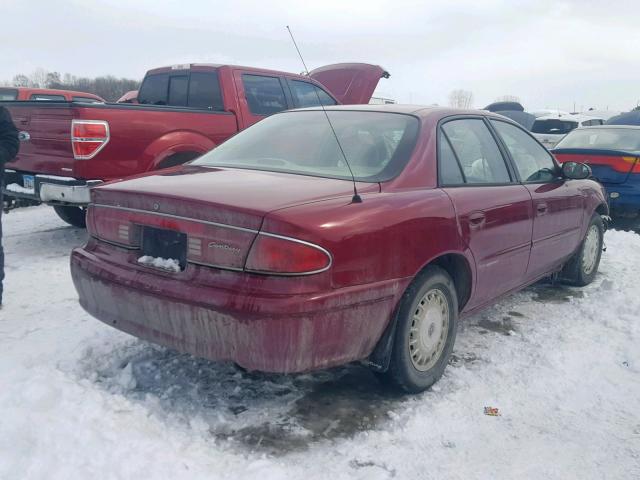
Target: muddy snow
81,400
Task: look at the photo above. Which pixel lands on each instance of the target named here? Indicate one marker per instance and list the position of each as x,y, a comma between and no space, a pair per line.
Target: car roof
213,66
421,111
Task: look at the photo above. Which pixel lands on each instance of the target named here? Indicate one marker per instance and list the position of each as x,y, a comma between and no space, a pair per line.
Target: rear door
558,204
259,95
494,211
350,83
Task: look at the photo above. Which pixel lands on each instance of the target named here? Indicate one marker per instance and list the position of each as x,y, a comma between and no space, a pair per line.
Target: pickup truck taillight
286,256
88,137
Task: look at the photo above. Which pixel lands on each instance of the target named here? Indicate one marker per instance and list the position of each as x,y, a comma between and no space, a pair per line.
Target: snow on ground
81,400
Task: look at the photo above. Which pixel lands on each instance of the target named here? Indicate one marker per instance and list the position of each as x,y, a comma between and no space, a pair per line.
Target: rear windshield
8,94
377,145
553,126
627,139
199,90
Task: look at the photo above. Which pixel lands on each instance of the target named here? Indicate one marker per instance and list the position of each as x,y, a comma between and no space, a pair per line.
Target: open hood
350,83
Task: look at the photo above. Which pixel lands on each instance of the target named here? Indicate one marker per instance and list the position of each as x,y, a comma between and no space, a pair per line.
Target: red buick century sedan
260,253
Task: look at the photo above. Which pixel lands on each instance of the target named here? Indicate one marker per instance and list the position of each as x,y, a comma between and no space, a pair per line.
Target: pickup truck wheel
583,266
75,216
425,333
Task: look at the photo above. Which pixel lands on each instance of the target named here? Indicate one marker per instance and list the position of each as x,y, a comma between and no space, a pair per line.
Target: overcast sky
549,53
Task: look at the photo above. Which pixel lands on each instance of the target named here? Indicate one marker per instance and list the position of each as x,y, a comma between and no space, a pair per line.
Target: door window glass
154,90
204,91
533,162
178,91
448,168
306,94
264,94
479,155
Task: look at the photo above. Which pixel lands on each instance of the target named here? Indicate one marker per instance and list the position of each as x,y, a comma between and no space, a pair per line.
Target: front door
494,212
557,202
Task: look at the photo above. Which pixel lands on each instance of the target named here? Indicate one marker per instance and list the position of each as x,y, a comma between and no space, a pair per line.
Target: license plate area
162,243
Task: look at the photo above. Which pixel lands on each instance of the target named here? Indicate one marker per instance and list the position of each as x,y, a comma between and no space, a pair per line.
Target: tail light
278,255
113,228
88,137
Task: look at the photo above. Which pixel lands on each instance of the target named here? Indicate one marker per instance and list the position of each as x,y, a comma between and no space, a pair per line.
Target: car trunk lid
608,166
350,83
219,210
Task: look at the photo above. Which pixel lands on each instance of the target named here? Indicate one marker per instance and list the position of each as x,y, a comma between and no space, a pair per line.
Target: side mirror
576,171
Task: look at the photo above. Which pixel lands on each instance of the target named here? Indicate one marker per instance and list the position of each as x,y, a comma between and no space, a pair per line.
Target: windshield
377,145
553,126
627,139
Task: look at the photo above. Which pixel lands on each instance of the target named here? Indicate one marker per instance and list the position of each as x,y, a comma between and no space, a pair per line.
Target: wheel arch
167,150
458,267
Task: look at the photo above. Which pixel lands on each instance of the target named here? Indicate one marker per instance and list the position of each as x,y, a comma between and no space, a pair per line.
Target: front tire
425,333
75,216
583,266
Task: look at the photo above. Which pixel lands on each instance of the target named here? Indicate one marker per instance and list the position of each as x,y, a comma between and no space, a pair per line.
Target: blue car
613,152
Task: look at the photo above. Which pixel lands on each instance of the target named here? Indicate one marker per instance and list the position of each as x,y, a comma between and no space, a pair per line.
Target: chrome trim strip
203,264
178,217
290,239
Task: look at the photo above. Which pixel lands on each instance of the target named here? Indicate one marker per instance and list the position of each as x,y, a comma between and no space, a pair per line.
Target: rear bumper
267,332
48,188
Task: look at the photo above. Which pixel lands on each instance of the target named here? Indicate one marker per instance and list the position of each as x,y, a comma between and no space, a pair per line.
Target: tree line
108,87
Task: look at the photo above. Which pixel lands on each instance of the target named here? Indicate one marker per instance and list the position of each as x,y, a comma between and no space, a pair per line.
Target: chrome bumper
48,188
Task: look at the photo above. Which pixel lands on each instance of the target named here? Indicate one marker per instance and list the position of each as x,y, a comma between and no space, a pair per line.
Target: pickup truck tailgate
46,137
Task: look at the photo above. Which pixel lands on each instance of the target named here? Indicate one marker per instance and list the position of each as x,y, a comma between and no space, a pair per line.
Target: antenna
356,198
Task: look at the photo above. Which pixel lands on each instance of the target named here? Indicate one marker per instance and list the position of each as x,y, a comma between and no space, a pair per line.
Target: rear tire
583,266
425,333
75,216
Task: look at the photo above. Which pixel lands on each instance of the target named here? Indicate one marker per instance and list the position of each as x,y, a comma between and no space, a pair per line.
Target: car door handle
476,219
541,208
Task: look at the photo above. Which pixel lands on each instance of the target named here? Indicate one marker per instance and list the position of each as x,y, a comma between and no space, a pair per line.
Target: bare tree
460,98
38,78
21,80
508,98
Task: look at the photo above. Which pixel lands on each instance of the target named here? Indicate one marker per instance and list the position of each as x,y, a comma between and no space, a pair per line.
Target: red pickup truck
182,112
